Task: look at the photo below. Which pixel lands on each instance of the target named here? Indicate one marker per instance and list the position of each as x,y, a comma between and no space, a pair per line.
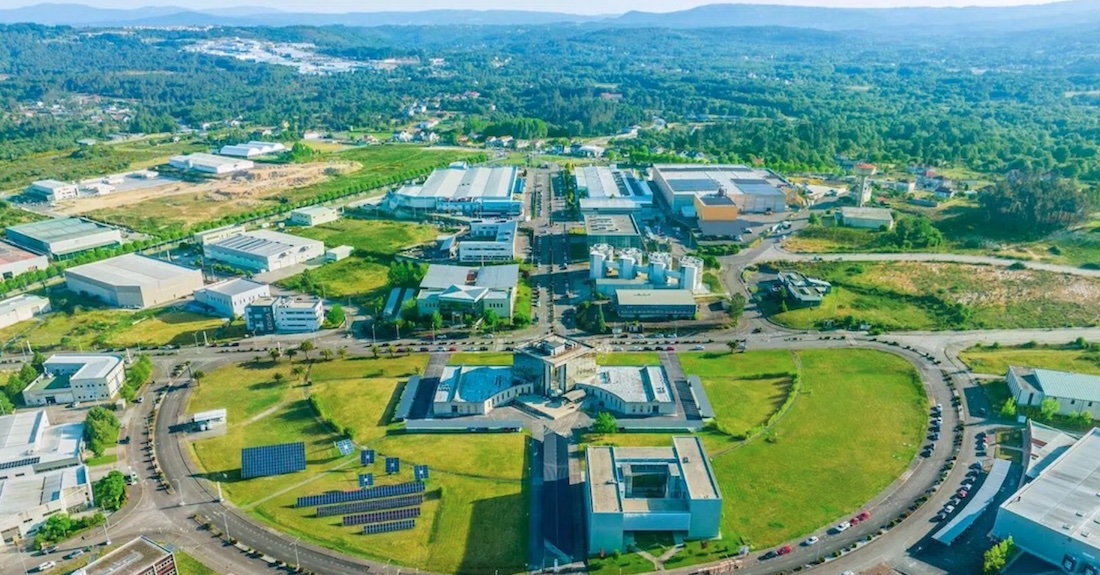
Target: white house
1074,392
230,297
313,216
69,378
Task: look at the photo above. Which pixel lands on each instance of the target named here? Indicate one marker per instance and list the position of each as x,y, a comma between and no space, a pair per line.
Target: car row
860,517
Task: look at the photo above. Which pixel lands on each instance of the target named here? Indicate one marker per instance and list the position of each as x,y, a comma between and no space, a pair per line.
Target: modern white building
52,190
1056,517
210,164
1074,392
630,390
754,190
489,241
15,261
338,253
133,281
284,315
263,250
230,297
62,238
252,149
69,378
21,308
467,191
40,472
313,216
457,291
866,218
217,234
630,490
475,390
609,191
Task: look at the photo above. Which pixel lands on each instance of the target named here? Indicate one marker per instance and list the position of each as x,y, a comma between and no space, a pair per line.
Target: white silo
691,273
598,259
659,264
629,260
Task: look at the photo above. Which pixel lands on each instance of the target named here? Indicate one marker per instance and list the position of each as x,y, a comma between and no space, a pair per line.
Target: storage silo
659,264
691,273
629,260
598,259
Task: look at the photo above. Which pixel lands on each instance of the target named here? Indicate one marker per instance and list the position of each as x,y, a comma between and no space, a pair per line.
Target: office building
40,472
619,232
252,149
217,234
802,291
15,261
655,304
489,241
22,308
455,291
475,192
62,238
52,191
752,190
554,365
209,164
633,490
1074,392
476,390
230,297
69,378
263,250
141,556
313,216
133,281
866,218
607,191
630,391
1056,517
284,315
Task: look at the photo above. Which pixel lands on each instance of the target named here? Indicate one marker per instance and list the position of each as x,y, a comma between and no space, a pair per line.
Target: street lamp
225,522
179,487
297,564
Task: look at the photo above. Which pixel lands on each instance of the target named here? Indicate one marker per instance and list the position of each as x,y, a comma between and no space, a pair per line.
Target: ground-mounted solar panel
389,527
377,492
366,457
345,447
273,460
371,505
382,516
420,472
393,465
366,480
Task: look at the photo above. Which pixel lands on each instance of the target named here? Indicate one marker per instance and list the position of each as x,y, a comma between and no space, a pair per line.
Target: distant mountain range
1072,13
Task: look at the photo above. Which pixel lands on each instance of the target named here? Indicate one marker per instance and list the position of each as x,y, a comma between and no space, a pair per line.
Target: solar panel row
366,457
372,505
345,446
381,516
389,527
272,460
361,494
19,463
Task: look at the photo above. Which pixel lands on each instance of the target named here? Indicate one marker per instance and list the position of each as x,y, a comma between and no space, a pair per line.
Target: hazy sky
572,6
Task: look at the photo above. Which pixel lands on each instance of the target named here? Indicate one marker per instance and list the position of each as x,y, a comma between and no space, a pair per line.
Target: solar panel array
420,472
366,480
361,494
381,516
393,465
366,457
372,505
389,527
19,463
273,460
345,447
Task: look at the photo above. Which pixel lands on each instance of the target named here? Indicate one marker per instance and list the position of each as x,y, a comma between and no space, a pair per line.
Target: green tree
997,557
279,378
437,320
1008,410
198,375
110,492
275,354
374,351
916,232
305,347
1048,409
326,354
1031,203
342,353
6,406
335,316
737,306
605,423
100,430
814,219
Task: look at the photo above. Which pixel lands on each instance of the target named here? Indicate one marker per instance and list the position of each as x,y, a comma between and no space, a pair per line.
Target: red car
785,550
962,494
863,516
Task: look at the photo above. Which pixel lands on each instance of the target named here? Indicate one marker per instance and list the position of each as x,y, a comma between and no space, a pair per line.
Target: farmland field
1061,358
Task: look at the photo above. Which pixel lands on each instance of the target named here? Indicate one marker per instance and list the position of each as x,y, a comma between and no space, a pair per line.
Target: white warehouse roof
264,243
459,184
131,270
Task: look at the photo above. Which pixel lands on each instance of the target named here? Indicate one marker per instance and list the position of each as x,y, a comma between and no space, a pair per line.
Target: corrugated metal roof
1067,385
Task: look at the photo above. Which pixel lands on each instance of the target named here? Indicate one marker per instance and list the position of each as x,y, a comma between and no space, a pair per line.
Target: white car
699,348
47,566
842,527
811,541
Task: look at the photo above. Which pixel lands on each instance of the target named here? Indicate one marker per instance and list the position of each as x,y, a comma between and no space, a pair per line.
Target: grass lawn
474,519
852,402
996,361
79,163
188,565
106,459
628,359
502,358
101,328
834,239
913,295
374,237
353,277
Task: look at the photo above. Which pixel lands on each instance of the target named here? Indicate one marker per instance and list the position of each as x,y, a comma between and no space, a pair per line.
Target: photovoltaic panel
366,480
19,463
366,457
420,472
389,527
345,446
377,492
393,465
382,516
372,505
273,460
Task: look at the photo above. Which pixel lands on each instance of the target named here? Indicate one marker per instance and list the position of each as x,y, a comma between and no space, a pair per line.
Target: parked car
948,509
46,566
841,528
74,554
699,348
962,494
976,466
863,516
785,550
770,555
811,541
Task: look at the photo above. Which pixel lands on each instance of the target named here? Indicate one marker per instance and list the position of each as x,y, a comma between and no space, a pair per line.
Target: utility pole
179,486
297,564
225,521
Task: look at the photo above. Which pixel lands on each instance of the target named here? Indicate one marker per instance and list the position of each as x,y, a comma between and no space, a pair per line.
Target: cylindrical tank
691,273
629,260
659,264
598,259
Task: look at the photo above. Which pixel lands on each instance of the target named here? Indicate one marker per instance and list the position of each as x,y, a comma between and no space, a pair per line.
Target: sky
570,6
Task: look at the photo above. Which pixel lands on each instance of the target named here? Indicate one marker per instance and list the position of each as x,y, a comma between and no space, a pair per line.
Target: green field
474,518
1061,358
744,389
108,329
188,565
853,429
937,296
371,237
99,160
628,358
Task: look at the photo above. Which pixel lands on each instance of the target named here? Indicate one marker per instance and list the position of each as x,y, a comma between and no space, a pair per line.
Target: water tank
629,260
691,273
598,259
659,264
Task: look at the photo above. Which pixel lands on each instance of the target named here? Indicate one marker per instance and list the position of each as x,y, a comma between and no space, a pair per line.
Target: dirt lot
205,200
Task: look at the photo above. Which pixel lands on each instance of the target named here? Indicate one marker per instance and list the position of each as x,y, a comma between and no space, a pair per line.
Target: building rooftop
556,348
264,243
685,461
679,297
634,384
1045,444
716,200
472,384
458,184
1063,498
21,494
866,213
21,301
210,160
52,184
602,483
134,557
605,183
1061,384
708,179
444,276
131,270
28,435
10,254
91,365
211,415
59,229
232,287
314,211
695,468
617,225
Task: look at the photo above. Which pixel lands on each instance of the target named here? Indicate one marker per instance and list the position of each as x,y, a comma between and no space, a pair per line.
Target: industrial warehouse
63,238
752,190
209,164
467,191
263,250
457,290
229,298
69,378
608,191
252,149
133,281
313,216
22,308
619,232
52,190
15,261
489,241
